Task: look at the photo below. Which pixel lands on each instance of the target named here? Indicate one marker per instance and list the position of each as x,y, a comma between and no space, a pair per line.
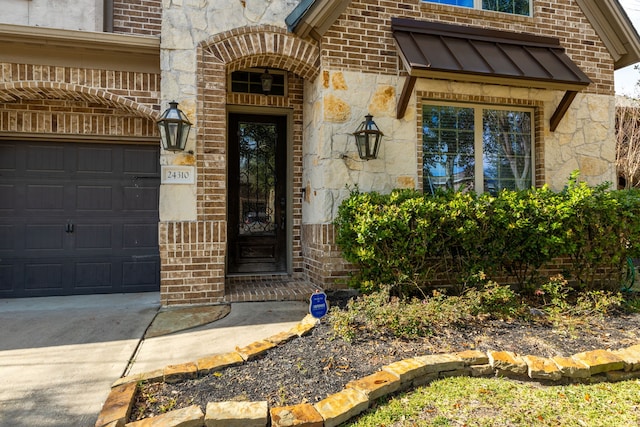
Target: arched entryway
248,48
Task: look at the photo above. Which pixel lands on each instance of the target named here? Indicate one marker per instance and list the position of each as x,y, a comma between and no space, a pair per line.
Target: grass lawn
465,401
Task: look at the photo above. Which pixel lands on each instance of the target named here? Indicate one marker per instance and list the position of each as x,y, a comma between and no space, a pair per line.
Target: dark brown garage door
78,218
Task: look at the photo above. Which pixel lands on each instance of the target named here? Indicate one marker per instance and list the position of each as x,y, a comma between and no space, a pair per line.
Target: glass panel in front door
257,201
257,191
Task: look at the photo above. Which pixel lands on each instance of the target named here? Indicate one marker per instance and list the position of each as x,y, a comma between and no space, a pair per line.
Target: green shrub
413,242
499,301
528,228
565,305
603,230
382,313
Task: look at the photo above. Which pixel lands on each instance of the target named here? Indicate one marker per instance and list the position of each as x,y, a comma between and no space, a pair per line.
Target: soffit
615,29
314,17
68,48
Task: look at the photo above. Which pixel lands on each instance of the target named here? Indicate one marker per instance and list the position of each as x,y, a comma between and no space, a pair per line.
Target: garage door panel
72,221
7,236
140,199
94,274
140,273
49,158
43,276
94,198
95,159
137,161
93,236
7,201
8,158
139,236
6,277
44,236
45,197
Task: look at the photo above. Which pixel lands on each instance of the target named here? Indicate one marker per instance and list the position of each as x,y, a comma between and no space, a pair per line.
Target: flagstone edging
358,395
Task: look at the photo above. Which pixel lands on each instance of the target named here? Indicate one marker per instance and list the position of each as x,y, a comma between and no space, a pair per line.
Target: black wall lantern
174,128
368,138
266,80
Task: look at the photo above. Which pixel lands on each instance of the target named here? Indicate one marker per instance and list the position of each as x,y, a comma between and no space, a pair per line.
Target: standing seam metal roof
428,47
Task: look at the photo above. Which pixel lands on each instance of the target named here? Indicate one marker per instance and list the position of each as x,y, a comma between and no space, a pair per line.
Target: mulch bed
310,368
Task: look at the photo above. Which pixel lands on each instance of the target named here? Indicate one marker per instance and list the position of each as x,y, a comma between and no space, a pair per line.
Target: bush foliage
556,303
412,241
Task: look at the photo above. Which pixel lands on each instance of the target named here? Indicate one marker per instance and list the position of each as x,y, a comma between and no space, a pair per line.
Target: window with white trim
484,148
516,7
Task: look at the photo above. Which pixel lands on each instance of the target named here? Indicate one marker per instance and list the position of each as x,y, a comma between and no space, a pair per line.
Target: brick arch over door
256,46
264,45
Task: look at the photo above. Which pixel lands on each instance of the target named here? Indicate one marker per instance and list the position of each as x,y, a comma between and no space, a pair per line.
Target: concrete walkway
60,355
246,323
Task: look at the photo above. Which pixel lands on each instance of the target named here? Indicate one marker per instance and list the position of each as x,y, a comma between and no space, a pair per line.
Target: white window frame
478,128
477,5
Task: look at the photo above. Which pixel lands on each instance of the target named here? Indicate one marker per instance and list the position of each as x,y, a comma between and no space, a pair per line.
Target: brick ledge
357,396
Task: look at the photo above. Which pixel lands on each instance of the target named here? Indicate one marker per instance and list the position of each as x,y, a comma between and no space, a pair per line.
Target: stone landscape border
358,395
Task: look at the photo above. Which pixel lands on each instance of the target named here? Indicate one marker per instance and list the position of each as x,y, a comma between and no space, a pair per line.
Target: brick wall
191,254
137,17
73,101
361,38
323,262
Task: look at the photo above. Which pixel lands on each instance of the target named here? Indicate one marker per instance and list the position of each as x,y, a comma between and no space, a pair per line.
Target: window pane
447,147
506,150
250,82
518,7
465,3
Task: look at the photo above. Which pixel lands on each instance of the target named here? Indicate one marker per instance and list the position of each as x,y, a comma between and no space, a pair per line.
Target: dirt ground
310,368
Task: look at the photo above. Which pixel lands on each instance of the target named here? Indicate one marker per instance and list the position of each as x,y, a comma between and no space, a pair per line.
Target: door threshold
268,289
258,276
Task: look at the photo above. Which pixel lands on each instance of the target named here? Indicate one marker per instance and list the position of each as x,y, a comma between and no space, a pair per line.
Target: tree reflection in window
516,7
257,177
507,149
448,139
476,148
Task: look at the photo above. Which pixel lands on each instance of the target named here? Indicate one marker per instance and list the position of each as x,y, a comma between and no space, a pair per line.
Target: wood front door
257,194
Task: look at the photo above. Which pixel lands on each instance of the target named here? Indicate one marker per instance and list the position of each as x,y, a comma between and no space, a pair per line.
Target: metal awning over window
445,51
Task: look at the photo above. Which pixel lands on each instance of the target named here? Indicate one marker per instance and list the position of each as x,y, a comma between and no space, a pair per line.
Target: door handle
69,227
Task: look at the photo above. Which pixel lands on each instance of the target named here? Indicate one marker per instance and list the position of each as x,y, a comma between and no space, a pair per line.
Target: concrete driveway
60,355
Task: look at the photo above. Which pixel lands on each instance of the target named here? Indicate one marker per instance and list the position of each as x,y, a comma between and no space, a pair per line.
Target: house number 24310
178,175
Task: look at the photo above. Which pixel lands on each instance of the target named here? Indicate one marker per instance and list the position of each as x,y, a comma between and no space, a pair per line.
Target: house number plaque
178,175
